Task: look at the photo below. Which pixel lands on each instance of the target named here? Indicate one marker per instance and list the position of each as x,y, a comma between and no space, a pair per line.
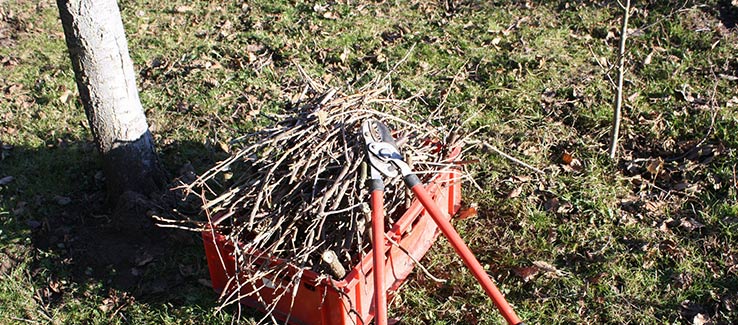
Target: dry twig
296,189
422,268
513,159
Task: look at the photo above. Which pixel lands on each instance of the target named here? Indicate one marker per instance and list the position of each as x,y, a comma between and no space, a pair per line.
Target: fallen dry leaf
254,47
183,9
6,180
10,130
252,57
551,204
632,98
664,226
527,273
64,98
381,58
655,166
575,166
733,101
470,212
344,55
8,61
330,15
548,268
701,319
565,208
548,96
571,164
689,308
683,280
602,61
670,247
62,200
515,192
108,305
320,8
648,58
224,146
690,224
55,286
567,158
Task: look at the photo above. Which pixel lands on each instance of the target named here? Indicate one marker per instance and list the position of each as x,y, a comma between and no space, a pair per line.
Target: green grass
529,75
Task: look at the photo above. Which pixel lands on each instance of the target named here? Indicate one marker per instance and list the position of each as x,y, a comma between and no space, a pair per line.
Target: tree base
133,167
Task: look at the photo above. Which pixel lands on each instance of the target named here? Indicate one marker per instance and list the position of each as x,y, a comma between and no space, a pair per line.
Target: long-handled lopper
385,159
378,133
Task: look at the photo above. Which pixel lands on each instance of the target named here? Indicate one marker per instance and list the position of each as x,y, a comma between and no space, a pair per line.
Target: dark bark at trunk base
133,167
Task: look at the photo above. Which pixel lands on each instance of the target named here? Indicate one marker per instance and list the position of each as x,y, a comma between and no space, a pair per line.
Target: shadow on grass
58,226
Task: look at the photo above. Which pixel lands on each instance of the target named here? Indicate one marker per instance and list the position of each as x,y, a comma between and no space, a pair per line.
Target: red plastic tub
349,301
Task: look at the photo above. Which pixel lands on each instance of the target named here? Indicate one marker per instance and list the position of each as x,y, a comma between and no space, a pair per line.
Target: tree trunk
107,86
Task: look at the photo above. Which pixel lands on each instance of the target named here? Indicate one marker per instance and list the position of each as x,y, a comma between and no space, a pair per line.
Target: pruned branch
295,190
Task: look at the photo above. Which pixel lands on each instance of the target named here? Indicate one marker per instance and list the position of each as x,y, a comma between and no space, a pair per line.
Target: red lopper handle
380,295
466,254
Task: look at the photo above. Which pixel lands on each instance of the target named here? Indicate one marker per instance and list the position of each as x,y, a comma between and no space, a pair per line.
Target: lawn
646,238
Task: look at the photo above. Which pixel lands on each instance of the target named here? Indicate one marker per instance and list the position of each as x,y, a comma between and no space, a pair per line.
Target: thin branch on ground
511,158
604,68
422,268
713,106
394,67
25,320
450,87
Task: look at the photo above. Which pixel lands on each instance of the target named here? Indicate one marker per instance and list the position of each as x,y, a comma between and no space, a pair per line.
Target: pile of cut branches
296,190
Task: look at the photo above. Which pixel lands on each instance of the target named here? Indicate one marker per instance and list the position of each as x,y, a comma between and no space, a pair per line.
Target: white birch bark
107,86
